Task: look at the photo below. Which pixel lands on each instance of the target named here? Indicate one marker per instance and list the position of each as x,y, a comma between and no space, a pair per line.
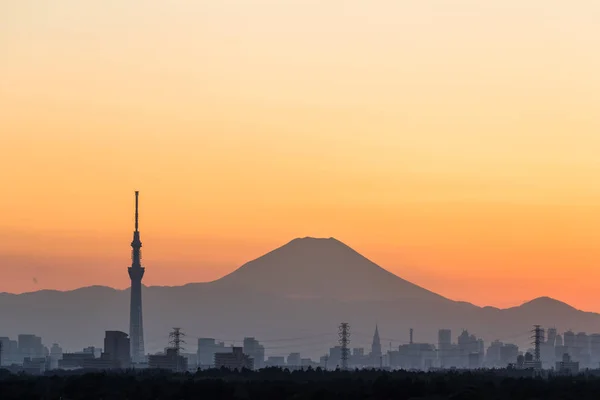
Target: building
444,347
234,360
500,355
594,350
35,366
10,352
294,360
136,273
207,348
255,351
376,353
551,336
117,347
475,360
104,362
334,359
569,339
558,341
30,346
416,356
56,353
470,348
531,363
74,360
567,366
170,360
508,354
192,360
582,349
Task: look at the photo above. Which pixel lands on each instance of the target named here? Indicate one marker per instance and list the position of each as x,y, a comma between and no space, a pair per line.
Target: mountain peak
312,239
321,268
545,302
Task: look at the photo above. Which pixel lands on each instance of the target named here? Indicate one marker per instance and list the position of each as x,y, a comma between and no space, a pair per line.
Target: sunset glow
453,142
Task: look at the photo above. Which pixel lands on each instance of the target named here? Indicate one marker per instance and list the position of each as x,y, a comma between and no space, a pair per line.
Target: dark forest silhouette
282,384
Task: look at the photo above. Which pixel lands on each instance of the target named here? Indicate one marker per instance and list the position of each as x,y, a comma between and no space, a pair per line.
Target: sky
453,142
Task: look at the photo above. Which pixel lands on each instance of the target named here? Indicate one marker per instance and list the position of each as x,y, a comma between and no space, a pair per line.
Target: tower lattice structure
344,334
176,341
136,273
538,339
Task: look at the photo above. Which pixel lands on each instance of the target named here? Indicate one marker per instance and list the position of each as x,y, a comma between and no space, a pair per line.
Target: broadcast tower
136,272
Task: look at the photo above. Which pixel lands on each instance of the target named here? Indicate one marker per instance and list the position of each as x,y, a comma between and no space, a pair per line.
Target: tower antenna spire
137,194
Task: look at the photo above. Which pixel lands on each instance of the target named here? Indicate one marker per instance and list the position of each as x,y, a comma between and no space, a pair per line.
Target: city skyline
452,142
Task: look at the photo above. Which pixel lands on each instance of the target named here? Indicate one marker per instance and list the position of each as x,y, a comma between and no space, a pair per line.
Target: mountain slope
323,268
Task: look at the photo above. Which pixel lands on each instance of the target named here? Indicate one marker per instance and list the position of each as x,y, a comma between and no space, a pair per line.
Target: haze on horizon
454,143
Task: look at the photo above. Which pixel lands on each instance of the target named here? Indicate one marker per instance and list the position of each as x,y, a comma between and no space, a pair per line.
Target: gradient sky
454,142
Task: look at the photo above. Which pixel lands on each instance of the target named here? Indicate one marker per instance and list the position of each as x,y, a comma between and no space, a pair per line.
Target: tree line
282,384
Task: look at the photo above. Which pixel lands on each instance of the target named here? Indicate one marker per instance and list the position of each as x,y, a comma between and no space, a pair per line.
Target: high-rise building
595,350
56,353
444,338
30,346
582,342
117,347
294,360
444,347
136,272
376,348
207,348
558,341
10,351
569,339
551,339
256,351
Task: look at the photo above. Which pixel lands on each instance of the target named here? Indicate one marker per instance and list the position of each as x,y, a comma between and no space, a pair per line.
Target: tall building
551,339
56,353
444,347
256,351
569,339
376,348
136,272
117,347
207,348
30,346
294,360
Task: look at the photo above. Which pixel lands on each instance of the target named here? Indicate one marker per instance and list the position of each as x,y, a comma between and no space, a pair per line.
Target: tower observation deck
136,273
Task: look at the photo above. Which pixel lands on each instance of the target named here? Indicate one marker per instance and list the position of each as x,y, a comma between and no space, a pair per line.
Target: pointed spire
137,194
376,346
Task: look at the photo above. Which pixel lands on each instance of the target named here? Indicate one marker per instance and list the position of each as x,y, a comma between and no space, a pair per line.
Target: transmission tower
176,341
344,333
538,339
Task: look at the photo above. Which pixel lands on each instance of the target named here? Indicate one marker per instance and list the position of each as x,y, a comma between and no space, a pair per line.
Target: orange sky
453,142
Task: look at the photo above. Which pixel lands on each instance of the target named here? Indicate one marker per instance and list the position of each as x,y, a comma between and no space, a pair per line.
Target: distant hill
302,290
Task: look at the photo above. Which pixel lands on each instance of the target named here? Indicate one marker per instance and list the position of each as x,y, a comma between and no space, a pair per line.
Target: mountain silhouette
322,268
303,289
